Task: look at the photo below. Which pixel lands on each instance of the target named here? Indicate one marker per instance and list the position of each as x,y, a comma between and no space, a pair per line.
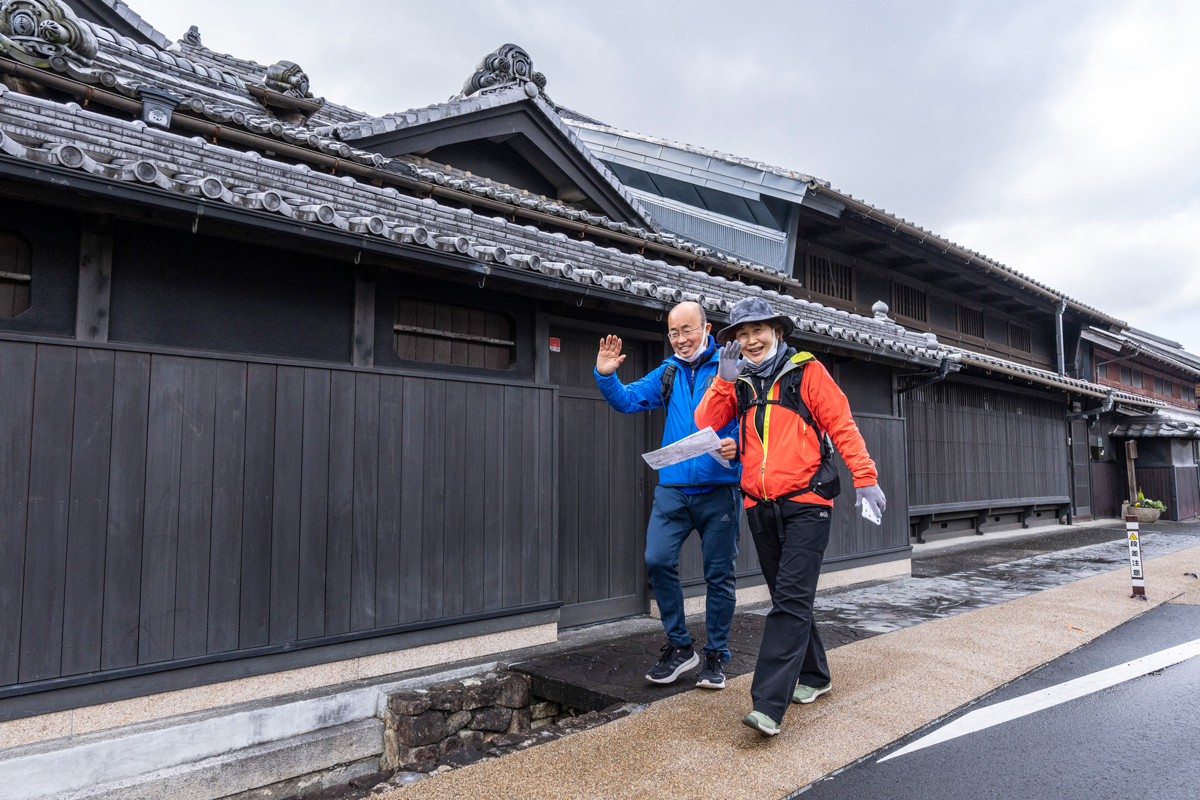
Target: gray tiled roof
988,363
135,20
374,126
749,174
68,136
1163,423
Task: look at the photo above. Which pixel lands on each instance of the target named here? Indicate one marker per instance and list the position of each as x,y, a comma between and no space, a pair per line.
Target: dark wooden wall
1187,491
604,485
1108,489
975,445
155,507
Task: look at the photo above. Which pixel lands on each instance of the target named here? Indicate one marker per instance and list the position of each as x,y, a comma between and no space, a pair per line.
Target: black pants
791,556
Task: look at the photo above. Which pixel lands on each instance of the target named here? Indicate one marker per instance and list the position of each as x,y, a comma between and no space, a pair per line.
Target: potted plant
1146,511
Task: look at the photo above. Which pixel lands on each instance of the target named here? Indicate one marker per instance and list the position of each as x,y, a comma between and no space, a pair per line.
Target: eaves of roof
1163,423
987,363
749,172
361,129
160,164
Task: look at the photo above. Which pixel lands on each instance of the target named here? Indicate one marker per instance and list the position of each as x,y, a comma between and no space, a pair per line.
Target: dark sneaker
674,662
712,675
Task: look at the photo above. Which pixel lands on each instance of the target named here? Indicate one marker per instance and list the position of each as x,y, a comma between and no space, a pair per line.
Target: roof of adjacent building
1154,348
1162,424
738,175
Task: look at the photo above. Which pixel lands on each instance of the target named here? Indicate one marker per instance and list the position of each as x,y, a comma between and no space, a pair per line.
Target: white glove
873,498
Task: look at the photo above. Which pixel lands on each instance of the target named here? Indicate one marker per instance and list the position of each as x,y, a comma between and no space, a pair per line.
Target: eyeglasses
673,335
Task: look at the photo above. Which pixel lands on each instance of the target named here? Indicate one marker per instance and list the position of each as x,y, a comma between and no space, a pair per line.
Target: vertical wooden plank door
603,486
1081,481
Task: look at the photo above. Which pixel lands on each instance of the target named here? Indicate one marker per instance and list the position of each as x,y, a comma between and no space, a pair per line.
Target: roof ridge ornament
508,66
192,37
286,78
45,33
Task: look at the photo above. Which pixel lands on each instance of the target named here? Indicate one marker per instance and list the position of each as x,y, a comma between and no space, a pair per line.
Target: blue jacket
690,383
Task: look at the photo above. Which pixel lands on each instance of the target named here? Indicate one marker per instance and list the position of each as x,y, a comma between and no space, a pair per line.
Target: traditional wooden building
1168,436
285,387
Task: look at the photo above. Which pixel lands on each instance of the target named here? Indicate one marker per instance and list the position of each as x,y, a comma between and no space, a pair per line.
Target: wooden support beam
793,233
541,347
363,352
95,280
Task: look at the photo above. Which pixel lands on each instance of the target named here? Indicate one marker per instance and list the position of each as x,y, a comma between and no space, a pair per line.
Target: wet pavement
911,601
946,582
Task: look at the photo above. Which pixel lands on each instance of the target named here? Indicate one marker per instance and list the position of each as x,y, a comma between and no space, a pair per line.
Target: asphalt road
1137,738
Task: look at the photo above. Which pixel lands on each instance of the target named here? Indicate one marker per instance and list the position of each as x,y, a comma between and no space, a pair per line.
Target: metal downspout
1058,333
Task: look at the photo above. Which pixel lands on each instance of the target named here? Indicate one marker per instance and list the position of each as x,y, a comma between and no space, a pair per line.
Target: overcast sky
1061,139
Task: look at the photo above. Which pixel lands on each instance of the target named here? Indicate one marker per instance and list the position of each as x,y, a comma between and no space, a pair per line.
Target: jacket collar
710,352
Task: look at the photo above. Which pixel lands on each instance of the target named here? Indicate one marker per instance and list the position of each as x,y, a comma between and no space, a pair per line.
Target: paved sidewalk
614,671
693,746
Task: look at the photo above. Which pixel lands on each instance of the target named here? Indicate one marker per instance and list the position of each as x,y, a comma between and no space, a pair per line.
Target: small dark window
440,333
1126,376
910,302
1158,386
970,321
1019,338
830,278
1137,379
1101,371
15,260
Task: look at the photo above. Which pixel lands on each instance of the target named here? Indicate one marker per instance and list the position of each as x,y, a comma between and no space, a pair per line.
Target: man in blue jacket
698,494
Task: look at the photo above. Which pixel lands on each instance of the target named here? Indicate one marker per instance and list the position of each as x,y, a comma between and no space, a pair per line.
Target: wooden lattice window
970,321
829,278
441,333
910,302
15,260
1019,338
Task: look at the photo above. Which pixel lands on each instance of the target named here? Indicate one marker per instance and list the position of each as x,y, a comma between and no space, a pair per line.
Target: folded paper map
699,443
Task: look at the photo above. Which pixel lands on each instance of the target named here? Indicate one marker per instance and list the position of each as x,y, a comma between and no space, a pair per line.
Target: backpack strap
668,382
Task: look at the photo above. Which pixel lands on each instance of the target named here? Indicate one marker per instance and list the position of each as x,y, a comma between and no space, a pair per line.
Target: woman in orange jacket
792,414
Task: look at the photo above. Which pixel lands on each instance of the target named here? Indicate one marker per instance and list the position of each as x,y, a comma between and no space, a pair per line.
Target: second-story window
1137,379
910,302
970,321
829,278
440,333
15,271
1101,371
1019,338
1127,376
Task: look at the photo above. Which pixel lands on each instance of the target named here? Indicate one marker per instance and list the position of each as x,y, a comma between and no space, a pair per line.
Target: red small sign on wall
555,345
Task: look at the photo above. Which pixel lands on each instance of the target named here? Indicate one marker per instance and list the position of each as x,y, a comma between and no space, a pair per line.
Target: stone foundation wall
423,725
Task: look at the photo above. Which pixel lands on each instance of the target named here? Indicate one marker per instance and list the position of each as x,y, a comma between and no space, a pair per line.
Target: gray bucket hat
753,309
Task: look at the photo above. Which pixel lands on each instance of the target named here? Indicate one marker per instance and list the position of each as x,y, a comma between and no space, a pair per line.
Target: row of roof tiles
250,182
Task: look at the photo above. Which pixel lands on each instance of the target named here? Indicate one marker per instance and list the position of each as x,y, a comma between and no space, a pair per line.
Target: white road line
1047,698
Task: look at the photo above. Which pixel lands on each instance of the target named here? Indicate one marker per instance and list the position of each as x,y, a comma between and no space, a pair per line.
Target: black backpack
825,481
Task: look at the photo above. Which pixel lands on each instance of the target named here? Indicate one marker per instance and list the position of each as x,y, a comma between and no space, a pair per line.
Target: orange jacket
785,458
